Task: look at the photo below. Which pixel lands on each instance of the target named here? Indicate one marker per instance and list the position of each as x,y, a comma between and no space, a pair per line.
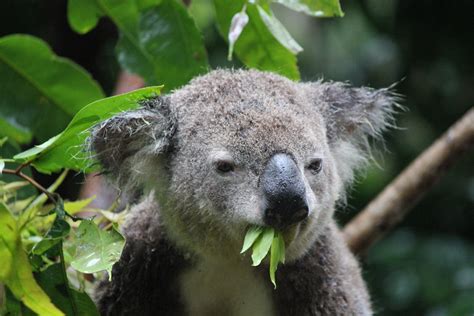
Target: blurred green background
426,265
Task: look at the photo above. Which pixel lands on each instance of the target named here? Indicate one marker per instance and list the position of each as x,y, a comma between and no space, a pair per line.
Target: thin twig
394,202
17,172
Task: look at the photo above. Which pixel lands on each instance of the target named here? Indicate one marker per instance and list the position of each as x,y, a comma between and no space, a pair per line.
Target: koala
232,149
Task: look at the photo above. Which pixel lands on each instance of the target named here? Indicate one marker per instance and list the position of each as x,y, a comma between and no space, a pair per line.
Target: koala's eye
224,166
315,165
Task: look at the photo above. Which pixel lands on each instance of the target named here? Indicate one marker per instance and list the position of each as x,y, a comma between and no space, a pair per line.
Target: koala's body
230,150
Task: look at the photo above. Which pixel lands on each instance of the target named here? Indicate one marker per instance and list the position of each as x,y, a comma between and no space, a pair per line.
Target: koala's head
239,148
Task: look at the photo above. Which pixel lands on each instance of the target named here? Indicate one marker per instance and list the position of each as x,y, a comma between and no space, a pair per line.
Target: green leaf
66,150
278,30
263,240
15,270
77,206
252,234
317,8
83,15
150,41
53,283
262,245
8,236
277,255
14,131
146,4
97,249
165,34
256,46
58,231
40,91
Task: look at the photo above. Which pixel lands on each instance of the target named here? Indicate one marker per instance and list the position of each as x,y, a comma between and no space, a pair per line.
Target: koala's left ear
351,116
353,112
126,143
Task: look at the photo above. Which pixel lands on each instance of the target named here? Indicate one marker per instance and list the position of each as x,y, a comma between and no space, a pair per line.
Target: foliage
41,242
264,240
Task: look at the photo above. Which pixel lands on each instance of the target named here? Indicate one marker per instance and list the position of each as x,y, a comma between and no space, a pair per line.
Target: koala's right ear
128,141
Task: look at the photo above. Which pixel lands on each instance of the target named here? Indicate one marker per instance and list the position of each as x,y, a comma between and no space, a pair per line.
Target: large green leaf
39,91
167,47
161,44
83,15
70,301
16,273
66,150
318,8
96,249
256,46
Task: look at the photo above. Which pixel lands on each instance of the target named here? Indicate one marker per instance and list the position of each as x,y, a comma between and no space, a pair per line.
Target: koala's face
249,148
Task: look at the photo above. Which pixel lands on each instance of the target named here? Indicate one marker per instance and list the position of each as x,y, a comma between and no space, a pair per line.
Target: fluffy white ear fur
125,143
353,116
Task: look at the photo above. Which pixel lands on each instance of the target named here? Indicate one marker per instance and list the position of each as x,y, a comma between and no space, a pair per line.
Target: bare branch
17,172
394,202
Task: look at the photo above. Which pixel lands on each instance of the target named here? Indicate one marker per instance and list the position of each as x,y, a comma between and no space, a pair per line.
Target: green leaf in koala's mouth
262,240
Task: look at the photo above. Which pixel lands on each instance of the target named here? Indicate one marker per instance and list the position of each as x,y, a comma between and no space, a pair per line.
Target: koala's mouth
291,233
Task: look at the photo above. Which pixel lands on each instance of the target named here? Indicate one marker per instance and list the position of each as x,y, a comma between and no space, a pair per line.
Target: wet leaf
96,249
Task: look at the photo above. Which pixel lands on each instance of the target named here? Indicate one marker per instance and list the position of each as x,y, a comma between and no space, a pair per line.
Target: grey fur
170,146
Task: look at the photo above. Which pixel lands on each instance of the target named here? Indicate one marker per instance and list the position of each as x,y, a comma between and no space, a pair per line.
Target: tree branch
32,181
396,200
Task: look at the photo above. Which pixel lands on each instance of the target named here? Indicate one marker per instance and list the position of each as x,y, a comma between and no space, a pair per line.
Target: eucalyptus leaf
252,234
166,33
239,21
70,301
40,91
15,270
264,240
277,255
262,245
66,150
256,47
58,231
317,8
278,30
77,206
15,132
96,249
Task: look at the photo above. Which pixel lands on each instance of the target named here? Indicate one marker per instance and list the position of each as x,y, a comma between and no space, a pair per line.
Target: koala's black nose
284,192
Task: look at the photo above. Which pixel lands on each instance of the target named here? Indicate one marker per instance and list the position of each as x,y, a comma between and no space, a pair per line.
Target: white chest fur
223,288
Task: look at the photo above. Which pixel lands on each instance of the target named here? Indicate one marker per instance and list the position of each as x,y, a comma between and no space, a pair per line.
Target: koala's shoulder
143,221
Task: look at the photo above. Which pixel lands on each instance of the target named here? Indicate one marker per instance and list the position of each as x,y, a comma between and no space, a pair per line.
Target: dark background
426,265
